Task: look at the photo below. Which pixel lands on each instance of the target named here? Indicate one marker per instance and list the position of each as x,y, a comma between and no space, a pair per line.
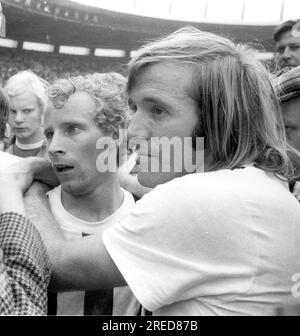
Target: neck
36,137
97,204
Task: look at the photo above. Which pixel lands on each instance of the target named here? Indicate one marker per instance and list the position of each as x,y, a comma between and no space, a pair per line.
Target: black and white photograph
149,161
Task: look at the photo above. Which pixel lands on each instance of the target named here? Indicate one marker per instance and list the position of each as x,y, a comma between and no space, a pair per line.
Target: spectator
287,88
24,265
288,91
287,40
28,102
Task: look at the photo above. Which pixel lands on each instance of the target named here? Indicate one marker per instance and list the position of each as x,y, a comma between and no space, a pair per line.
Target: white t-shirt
219,243
7,160
72,303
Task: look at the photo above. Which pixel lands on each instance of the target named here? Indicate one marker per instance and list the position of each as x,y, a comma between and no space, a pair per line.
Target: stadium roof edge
114,29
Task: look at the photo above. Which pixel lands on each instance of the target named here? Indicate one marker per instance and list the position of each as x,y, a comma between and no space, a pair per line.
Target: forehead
166,78
79,106
286,38
25,98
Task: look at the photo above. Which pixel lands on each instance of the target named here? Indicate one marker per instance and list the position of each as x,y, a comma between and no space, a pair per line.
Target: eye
288,129
132,107
295,47
12,111
280,50
49,134
157,110
72,129
27,110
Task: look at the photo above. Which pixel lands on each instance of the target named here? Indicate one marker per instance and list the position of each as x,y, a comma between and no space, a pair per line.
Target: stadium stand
53,66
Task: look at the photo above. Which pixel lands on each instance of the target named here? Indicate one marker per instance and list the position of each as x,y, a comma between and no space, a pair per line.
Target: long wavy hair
239,115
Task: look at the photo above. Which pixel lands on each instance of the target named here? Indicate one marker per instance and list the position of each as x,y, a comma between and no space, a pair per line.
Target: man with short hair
28,101
82,112
24,264
220,242
288,91
287,40
287,88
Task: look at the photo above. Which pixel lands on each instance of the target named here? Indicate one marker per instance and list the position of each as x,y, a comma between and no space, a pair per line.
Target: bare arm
83,263
78,264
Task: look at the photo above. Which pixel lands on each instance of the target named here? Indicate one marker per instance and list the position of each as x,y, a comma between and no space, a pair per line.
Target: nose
55,145
19,117
286,54
139,126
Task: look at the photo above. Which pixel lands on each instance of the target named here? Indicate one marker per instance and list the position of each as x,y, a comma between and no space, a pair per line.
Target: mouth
62,168
20,129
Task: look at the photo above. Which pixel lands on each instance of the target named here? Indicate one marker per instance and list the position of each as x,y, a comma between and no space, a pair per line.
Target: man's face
25,117
291,116
288,50
162,107
72,135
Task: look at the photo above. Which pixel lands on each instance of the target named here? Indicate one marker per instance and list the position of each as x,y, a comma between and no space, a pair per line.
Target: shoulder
6,160
10,149
128,197
197,184
219,190
54,195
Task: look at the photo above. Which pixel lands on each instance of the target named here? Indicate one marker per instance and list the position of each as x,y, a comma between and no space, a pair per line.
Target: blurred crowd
50,66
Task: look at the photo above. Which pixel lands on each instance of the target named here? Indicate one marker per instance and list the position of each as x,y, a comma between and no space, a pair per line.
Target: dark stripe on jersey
98,302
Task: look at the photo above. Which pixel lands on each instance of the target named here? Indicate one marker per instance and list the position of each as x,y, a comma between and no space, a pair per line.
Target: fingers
37,188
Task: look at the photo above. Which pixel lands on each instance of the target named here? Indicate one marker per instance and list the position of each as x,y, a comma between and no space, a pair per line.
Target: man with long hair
220,242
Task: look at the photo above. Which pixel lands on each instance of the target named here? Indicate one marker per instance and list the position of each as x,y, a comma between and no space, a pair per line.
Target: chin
22,136
72,189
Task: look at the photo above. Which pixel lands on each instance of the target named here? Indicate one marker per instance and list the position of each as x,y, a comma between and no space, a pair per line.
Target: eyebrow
70,123
156,100
24,108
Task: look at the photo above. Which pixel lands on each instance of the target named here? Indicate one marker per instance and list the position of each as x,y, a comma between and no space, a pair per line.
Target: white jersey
217,243
120,300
